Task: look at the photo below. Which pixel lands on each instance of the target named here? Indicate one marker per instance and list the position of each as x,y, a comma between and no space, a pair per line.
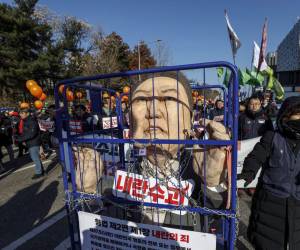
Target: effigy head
161,109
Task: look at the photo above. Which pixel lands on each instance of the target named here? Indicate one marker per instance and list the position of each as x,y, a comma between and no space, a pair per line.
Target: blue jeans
35,156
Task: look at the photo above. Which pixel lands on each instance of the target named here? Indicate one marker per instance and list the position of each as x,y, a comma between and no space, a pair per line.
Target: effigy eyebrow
168,90
142,91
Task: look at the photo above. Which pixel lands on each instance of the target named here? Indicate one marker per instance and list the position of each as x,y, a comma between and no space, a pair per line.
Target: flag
256,79
244,77
270,84
278,89
274,84
220,72
234,40
269,72
255,58
263,46
227,77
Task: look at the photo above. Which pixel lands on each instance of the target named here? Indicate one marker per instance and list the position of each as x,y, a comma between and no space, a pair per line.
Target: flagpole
233,56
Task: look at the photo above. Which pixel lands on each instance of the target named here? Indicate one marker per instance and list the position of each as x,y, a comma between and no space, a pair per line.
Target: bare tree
162,54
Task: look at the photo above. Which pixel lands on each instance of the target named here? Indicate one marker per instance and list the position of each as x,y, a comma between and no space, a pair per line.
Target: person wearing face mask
253,122
274,222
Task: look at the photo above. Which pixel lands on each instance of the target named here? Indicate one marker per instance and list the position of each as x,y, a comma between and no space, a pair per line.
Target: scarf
21,126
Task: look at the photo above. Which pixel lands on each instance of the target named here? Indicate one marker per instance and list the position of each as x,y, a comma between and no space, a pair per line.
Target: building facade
286,60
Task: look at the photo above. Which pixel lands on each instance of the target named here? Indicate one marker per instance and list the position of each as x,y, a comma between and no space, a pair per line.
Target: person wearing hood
253,122
275,214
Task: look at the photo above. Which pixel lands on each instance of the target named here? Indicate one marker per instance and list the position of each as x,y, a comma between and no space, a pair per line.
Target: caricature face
164,116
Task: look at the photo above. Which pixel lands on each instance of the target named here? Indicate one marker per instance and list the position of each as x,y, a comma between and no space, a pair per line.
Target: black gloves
247,176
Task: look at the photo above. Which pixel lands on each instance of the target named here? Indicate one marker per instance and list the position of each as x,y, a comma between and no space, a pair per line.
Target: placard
106,122
46,125
135,187
245,147
102,232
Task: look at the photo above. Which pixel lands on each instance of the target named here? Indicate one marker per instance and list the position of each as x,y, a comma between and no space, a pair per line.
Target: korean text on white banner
101,232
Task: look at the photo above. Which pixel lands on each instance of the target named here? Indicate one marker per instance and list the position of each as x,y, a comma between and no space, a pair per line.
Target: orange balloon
195,93
36,91
126,89
43,97
38,104
30,84
78,95
61,88
24,105
69,95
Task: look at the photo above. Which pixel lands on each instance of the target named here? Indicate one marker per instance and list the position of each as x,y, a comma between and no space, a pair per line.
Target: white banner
101,232
246,147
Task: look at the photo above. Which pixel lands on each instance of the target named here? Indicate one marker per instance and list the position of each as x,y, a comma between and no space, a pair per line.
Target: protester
269,106
29,134
107,107
217,113
53,131
275,221
6,136
253,122
81,121
21,147
125,113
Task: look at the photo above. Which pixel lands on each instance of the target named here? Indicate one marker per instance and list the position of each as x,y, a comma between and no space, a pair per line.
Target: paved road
26,204
32,211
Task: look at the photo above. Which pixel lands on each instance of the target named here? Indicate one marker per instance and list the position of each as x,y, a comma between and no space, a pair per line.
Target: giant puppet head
161,109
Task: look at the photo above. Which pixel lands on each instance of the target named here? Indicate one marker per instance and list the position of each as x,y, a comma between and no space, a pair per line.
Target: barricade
145,176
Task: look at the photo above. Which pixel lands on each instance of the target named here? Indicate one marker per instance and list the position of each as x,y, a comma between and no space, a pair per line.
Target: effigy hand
89,169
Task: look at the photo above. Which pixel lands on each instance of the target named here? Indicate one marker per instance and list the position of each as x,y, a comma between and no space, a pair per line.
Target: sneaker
37,176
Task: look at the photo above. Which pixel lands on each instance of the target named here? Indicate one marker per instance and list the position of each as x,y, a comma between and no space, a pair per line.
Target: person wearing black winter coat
6,136
253,122
28,133
217,113
275,214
